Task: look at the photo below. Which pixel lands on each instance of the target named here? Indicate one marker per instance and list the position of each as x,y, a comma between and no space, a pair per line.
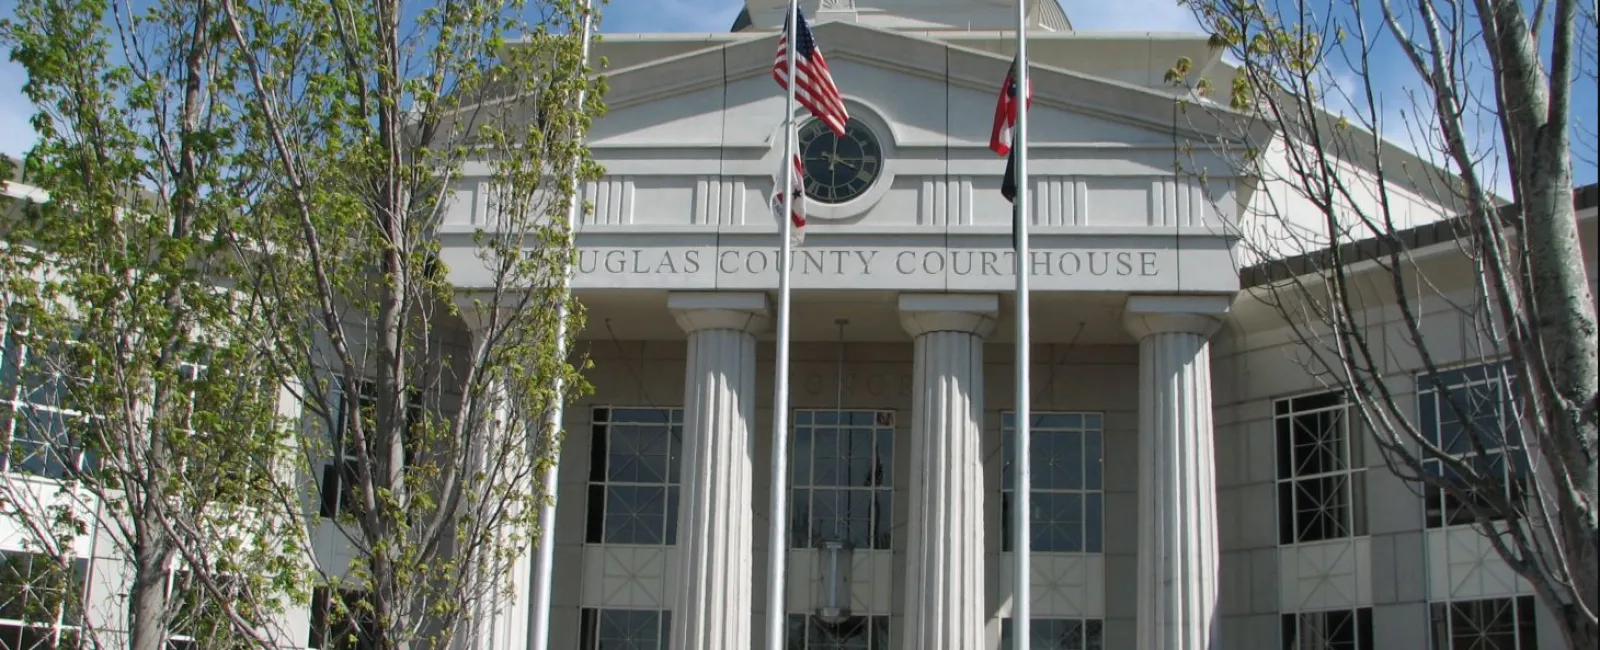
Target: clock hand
841,161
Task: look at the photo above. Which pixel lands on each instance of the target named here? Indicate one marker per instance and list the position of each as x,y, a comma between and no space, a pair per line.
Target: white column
1177,589
711,601
944,574
505,604
499,613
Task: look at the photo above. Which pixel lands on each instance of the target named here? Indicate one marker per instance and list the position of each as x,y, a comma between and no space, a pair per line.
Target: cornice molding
922,56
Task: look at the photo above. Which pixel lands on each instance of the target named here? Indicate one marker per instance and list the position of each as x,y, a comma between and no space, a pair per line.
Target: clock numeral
813,188
866,174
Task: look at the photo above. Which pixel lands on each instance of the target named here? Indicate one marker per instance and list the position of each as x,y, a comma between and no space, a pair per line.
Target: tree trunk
1565,342
147,597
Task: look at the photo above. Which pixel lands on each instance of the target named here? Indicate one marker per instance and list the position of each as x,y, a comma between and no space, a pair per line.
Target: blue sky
624,16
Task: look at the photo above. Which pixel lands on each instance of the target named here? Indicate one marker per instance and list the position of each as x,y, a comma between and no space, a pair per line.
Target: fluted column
1177,590
498,615
711,603
944,577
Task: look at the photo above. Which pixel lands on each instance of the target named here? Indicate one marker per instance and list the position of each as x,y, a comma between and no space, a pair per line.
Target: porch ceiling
641,315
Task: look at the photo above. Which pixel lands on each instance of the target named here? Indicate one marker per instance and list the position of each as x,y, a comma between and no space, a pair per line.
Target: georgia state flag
797,214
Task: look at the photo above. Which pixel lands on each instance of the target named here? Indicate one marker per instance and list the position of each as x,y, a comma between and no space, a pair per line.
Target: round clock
839,169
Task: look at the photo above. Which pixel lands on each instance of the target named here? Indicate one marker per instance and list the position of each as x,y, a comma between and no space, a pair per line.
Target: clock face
839,169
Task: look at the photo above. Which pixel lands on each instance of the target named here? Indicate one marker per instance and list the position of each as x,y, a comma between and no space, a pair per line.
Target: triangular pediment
953,89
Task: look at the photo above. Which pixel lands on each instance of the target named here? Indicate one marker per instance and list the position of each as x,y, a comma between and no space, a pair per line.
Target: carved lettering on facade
867,262
858,384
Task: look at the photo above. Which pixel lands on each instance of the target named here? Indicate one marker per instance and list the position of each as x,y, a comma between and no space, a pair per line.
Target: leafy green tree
139,417
426,348
1485,98
266,186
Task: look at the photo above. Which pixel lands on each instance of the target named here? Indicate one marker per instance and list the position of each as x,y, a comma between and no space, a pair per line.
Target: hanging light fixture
834,556
833,581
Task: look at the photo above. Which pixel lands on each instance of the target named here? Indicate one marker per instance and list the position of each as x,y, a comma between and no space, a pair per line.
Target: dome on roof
908,14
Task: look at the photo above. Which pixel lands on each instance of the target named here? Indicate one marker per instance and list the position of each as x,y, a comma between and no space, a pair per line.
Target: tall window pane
624,629
40,603
842,470
634,476
43,423
1055,634
1068,496
1321,474
1470,414
853,633
1341,629
1489,624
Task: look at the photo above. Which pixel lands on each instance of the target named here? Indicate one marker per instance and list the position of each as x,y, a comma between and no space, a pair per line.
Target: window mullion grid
842,491
1343,470
1478,628
46,441
1456,392
668,483
1043,433
57,623
13,397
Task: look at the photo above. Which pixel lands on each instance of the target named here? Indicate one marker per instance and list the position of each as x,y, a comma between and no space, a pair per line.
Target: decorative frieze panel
719,201
1177,202
612,201
945,201
926,200
1334,574
1060,201
635,577
1463,565
871,581
1064,585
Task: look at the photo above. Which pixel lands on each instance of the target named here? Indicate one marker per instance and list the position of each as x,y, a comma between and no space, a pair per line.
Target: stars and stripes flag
797,212
814,87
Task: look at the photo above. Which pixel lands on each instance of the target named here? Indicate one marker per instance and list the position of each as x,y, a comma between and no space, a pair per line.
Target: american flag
815,89
1005,113
797,212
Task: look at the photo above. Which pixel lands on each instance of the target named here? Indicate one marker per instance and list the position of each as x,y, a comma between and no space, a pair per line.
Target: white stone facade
1159,388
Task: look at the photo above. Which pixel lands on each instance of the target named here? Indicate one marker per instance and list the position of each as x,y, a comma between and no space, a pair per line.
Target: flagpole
778,535
1021,542
544,564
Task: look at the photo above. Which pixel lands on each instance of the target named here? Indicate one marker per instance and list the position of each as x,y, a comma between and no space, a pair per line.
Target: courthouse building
1153,365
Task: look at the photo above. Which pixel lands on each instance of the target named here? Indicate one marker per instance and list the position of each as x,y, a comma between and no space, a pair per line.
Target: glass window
40,602
1056,634
1470,414
842,465
339,480
199,622
624,629
1492,624
41,415
341,620
1321,475
633,476
1343,629
1067,499
807,632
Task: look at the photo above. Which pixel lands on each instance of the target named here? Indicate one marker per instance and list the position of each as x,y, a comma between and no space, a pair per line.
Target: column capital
475,309
718,310
1147,315
973,313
